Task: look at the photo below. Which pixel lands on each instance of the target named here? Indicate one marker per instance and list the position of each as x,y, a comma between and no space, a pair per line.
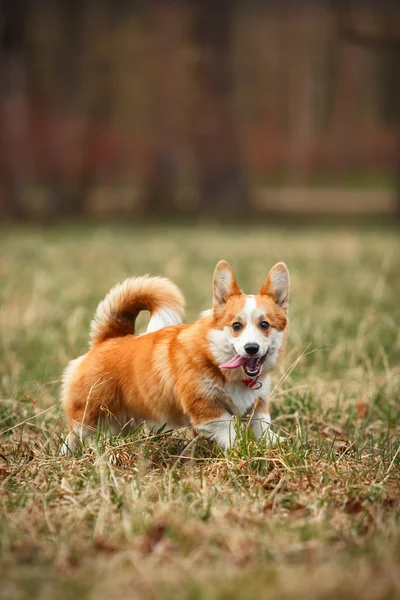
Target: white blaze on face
250,333
225,344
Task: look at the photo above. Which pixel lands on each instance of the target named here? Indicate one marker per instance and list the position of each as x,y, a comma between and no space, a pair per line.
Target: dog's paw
69,446
273,439
64,450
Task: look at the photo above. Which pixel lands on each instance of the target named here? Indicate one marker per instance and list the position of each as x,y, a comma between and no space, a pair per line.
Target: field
151,516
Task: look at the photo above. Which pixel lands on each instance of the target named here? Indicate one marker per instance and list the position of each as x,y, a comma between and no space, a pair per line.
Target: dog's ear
224,284
277,285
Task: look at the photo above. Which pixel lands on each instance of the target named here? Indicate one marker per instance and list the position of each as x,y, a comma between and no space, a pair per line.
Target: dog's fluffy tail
116,314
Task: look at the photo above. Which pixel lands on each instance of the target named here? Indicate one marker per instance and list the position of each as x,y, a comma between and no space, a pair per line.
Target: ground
141,517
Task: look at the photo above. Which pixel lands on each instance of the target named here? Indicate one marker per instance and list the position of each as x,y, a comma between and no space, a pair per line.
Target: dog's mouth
251,366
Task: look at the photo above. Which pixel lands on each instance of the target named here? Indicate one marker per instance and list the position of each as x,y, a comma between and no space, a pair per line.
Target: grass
151,516
354,180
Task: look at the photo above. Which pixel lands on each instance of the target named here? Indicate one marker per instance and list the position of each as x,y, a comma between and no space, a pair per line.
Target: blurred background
115,109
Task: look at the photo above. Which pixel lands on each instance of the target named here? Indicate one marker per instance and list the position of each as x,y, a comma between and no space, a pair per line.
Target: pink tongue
234,363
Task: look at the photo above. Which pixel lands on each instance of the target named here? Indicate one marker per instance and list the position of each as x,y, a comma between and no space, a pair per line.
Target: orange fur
166,376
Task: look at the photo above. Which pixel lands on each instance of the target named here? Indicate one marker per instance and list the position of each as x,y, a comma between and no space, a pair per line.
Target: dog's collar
251,382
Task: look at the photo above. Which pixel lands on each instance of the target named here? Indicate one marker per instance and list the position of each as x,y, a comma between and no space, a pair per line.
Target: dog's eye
237,326
264,325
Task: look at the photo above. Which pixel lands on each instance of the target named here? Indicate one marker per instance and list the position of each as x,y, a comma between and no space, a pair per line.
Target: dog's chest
242,398
237,397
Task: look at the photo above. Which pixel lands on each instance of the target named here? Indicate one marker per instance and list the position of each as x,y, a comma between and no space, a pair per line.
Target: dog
206,374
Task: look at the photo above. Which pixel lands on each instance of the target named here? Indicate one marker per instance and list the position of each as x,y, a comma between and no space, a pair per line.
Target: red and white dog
203,374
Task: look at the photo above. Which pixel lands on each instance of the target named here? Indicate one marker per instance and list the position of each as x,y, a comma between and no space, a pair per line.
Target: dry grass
133,518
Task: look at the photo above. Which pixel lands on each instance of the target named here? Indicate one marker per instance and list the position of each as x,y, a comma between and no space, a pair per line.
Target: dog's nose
252,349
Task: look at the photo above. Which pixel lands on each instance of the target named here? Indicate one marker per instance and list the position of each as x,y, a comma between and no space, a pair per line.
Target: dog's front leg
260,425
210,419
220,429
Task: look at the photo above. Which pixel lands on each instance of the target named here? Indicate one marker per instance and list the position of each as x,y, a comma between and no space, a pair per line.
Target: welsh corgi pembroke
206,374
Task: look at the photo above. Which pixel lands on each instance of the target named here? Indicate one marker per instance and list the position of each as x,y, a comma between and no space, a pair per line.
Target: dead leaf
353,506
362,409
153,536
105,546
246,552
4,472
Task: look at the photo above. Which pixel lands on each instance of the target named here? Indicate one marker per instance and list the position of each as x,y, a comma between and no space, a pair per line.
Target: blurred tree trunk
68,190
395,88
345,120
161,188
13,110
55,83
299,51
382,36
221,182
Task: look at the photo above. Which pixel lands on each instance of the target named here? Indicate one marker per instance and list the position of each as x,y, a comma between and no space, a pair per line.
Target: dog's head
247,332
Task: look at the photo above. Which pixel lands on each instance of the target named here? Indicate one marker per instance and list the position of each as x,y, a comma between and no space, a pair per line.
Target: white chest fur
243,397
235,395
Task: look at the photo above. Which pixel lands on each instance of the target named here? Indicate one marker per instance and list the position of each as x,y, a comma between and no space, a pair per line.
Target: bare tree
162,182
13,109
216,144
380,33
68,198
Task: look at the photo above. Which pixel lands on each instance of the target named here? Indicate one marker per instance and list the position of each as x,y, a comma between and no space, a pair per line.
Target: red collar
251,382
